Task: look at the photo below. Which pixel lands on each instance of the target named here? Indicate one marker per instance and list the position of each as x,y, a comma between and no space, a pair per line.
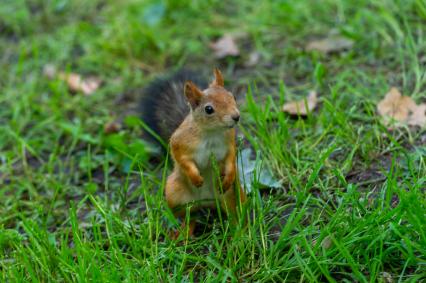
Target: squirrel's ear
218,78
192,94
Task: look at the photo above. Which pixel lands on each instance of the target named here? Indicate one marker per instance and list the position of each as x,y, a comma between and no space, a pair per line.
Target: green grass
77,204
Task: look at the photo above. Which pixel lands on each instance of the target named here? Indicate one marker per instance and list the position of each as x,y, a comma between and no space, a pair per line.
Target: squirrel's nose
236,117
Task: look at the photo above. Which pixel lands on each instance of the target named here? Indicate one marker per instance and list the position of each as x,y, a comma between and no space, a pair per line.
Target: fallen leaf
49,71
74,81
299,107
225,46
402,109
418,116
326,243
112,127
77,83
251,173
330,44
395,106
253,59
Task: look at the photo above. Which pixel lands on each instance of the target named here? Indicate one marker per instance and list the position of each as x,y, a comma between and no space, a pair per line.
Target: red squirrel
205,134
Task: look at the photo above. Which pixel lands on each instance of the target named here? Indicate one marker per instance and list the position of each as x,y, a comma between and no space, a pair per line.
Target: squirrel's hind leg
177,196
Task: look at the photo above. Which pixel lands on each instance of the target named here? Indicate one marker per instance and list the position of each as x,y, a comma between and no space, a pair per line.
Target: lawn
82,193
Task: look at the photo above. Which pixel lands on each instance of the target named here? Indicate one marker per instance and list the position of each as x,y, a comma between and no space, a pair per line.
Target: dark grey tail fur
163,105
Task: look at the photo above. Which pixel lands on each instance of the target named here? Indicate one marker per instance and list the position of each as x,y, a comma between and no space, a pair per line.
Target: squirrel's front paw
197,181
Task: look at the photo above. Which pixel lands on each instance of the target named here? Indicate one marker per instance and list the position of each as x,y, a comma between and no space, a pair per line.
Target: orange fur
201,137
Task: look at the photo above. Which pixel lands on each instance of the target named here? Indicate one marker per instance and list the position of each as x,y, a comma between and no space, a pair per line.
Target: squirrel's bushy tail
163,105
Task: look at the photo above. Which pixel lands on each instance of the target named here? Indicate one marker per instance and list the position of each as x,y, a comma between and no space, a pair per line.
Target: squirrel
200,126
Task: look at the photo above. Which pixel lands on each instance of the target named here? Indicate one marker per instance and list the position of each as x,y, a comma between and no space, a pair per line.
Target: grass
77,204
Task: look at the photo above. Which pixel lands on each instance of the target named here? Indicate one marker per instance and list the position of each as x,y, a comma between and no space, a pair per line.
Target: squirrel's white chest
213,146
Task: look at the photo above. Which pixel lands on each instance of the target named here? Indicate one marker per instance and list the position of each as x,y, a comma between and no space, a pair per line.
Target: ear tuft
192,94
218,78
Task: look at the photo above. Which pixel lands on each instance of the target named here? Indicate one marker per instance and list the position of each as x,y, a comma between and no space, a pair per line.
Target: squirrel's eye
209,109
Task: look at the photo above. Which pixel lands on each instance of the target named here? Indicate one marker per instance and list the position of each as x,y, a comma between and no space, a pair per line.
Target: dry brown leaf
402,109
225,46
330,44
418,116
77,83
90,85
74,81
299,107
112,127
